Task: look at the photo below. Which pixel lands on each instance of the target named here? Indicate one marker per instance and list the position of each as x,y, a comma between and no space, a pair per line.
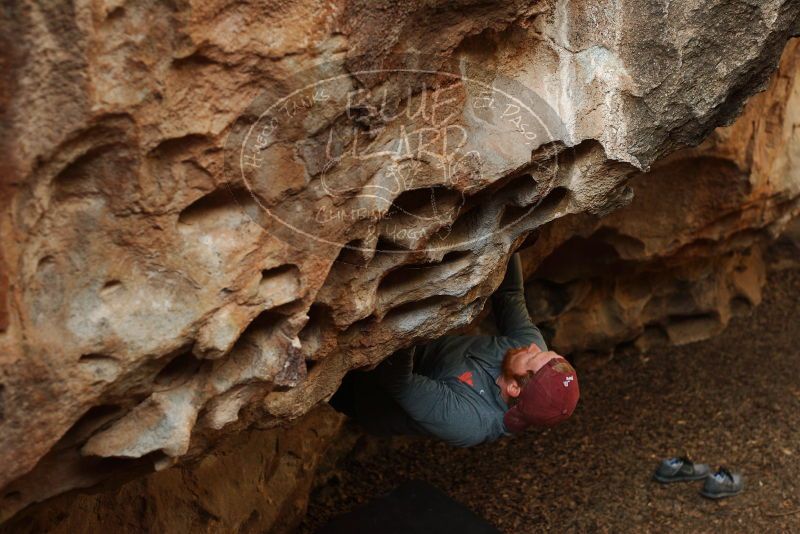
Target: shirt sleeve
431,403
510,310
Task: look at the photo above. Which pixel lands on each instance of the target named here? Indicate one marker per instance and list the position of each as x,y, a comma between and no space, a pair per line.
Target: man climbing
467,390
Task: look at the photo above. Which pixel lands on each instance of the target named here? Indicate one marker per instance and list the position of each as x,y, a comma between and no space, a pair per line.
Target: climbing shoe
680,470
721,484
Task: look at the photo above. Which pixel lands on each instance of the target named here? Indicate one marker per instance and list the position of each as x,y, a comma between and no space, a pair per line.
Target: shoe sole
670,480
720,495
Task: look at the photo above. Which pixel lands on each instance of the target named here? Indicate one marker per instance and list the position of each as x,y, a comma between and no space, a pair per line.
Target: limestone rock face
212,211
254,481
677,262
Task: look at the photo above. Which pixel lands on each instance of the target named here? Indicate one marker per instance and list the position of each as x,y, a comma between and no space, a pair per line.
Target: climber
467,390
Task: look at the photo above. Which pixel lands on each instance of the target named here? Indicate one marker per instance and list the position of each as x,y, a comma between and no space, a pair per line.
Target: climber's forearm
395,373
415,393
510,310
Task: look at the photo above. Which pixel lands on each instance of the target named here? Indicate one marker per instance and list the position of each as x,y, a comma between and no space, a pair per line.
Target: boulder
675,264
212,211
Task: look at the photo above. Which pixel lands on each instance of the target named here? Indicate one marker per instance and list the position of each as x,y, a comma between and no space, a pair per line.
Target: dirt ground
733,400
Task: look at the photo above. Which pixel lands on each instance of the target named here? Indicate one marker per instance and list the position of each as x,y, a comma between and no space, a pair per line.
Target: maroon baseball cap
547,399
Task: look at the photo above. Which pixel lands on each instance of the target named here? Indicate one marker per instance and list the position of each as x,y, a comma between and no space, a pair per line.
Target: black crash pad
414,507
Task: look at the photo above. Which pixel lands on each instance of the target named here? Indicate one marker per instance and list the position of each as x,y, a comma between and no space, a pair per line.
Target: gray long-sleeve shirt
447,388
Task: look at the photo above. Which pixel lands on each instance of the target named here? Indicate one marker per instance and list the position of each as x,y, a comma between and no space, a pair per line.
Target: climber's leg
344,400
362,398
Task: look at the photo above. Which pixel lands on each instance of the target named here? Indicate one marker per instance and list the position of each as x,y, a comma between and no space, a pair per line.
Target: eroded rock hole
518,193
468,219
224,205
92,358
420,273
45,264
385,245
194,61
511,185
579,257
547,299
110,287
513,214
266,321
93,420
694,317
422,307
116,13
313,333
356,253
179,370
431,201
280,272
279,285
176,147
554,201
208,205
625,246
82,176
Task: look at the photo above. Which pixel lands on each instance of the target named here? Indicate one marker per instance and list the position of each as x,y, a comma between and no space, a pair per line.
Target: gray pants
362,398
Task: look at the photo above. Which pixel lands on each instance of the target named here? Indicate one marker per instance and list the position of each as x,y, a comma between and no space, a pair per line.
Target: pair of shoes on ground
723,483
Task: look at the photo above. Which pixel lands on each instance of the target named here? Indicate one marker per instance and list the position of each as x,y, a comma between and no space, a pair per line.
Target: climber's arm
431,403
510,311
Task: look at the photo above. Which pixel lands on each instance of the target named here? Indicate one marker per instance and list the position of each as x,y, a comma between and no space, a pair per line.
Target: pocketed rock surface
732,400
167,282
